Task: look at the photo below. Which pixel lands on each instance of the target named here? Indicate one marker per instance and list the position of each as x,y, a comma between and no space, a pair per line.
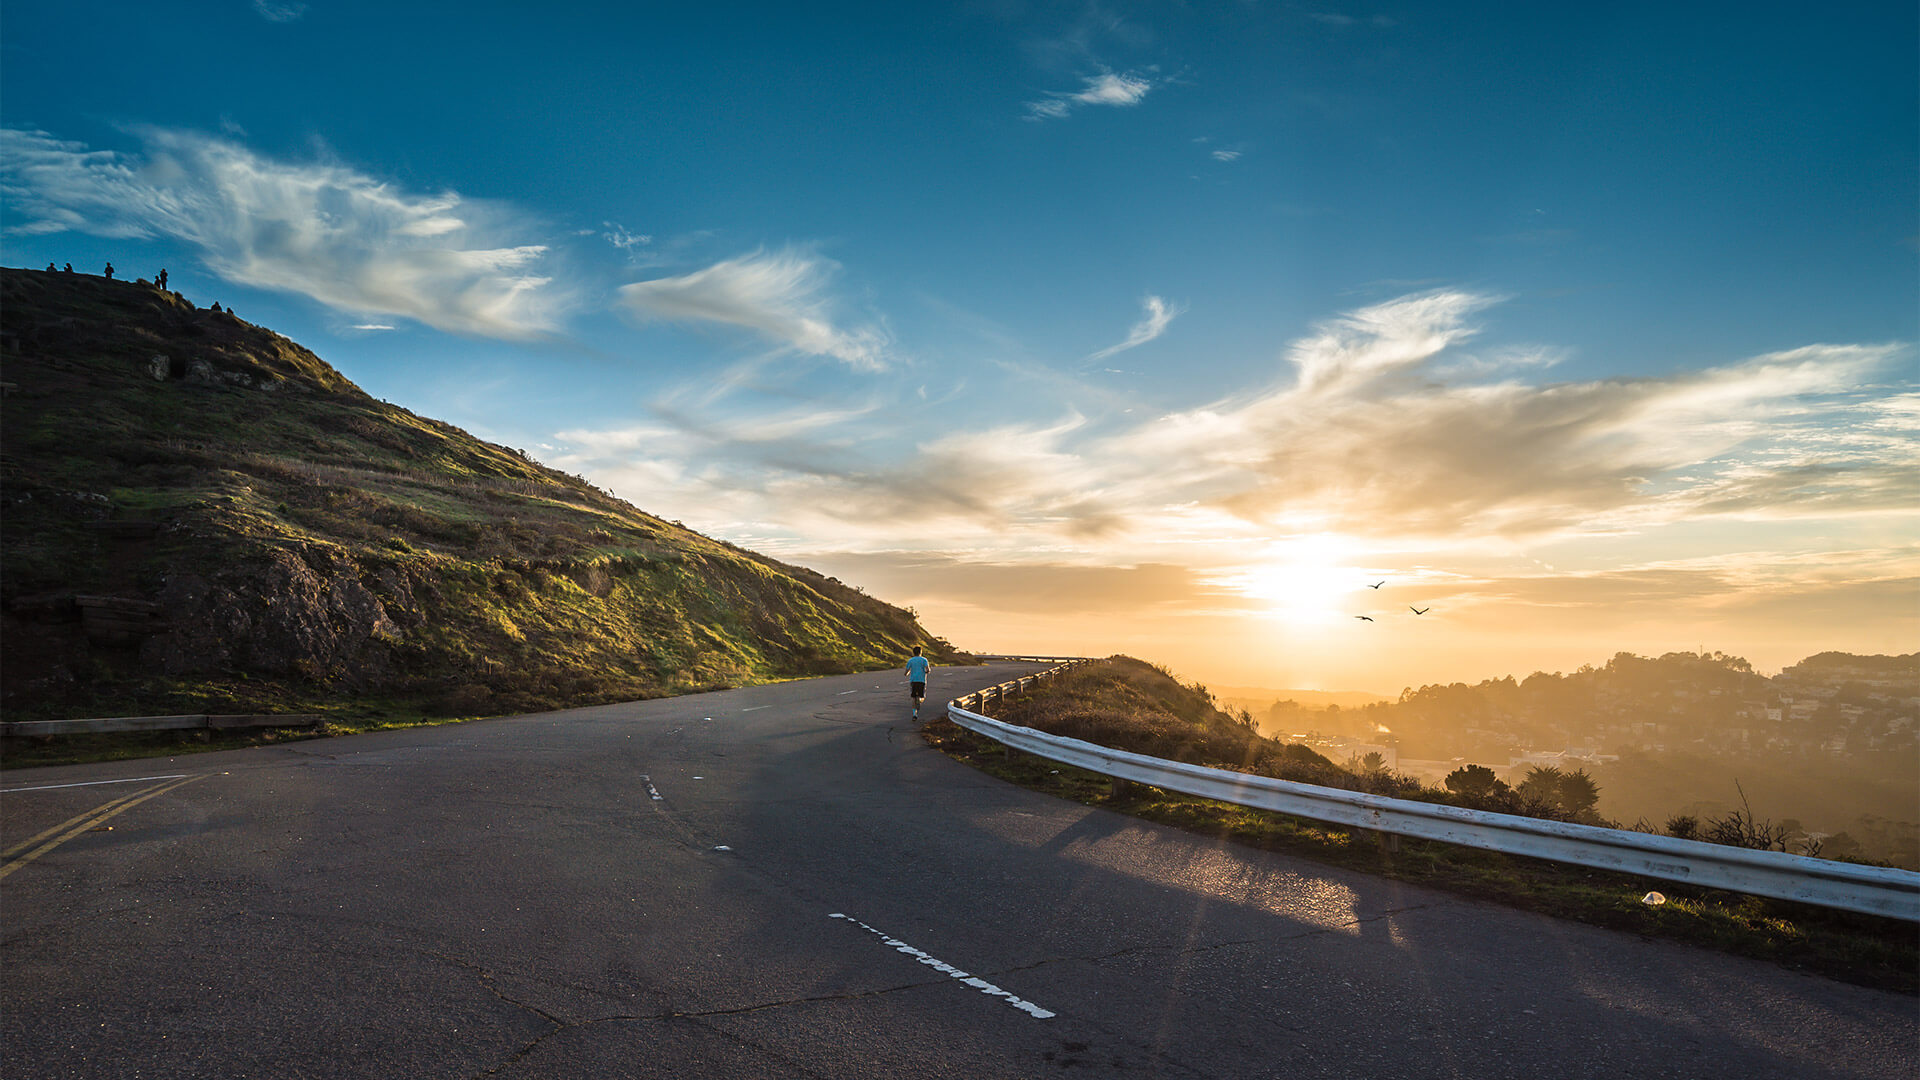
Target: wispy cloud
279,11
777,295
1106,88
1226,155
1159,314
1336,19
619,236
322,230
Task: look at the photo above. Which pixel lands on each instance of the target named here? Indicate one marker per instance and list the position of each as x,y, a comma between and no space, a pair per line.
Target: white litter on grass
1653,899
944,968
722,847
699,778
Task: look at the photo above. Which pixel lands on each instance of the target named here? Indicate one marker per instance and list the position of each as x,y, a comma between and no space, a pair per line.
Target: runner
917,668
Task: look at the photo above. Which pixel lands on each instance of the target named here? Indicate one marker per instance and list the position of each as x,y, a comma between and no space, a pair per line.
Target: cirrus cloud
321,230
1107,88
1159,314
777,295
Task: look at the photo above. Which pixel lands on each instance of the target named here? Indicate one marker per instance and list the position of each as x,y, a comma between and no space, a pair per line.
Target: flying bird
1377,584
1419,610
1369,618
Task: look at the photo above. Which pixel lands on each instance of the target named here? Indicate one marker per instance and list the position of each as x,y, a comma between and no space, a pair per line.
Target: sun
1307,581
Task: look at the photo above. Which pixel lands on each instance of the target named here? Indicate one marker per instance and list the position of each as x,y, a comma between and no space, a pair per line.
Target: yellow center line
72,821
75,826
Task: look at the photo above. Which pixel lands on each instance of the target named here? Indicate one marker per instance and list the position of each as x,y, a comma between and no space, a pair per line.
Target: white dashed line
652,792
979,984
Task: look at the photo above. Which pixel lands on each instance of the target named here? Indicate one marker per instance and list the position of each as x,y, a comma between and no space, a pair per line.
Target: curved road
814,893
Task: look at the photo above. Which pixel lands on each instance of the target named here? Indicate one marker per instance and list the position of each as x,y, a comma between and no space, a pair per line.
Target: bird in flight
1377,584
1369,618
1419,610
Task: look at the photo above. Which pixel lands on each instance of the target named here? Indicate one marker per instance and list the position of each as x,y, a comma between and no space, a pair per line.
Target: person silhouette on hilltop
109,271
50,268
69,268
162,279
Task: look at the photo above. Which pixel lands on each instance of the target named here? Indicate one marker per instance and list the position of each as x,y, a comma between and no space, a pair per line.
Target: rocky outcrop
283,615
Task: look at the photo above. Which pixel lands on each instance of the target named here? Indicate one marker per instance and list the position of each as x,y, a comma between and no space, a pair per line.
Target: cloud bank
1382,425
779,296
321,230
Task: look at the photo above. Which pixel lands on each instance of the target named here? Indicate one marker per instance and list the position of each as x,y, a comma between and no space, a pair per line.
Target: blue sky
1090,326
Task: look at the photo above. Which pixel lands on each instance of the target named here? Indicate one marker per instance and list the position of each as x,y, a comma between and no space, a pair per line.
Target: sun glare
1305,581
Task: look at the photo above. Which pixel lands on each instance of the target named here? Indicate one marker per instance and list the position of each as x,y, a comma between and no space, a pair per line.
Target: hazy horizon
1088,328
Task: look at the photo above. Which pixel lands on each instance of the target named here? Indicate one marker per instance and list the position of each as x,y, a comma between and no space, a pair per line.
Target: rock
285,615
159,367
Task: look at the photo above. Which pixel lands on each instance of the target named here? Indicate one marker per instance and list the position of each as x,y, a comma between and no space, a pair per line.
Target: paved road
815,893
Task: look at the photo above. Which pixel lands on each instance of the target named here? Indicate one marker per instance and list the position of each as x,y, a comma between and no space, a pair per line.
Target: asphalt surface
814,893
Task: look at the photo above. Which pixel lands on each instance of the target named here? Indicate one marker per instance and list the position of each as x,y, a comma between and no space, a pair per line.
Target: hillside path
813,893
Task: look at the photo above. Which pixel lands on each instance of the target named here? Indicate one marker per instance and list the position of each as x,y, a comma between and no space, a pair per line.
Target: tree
1474,780
1373,763
1578,793
1542,784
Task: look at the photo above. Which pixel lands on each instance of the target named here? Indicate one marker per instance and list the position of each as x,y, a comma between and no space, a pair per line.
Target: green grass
1869,951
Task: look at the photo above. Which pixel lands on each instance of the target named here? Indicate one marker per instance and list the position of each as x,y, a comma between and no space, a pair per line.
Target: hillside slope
200,515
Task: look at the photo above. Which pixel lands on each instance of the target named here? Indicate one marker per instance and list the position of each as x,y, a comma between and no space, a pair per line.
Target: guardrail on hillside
186,722
1870,890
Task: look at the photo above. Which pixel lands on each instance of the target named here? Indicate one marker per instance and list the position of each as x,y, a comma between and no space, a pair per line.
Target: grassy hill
197,515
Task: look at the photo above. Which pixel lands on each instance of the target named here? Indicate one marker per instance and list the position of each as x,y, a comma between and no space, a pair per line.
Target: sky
1195,331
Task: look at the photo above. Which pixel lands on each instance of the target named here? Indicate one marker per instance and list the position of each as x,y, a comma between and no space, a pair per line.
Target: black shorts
919,690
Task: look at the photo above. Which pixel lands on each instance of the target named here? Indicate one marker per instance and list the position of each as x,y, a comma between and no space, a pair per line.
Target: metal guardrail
1870,890
187,722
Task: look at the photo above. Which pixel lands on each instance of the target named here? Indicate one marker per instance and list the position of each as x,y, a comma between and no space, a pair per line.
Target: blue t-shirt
917,669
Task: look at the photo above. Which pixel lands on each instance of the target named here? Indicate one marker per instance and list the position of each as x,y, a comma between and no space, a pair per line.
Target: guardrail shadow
1157,946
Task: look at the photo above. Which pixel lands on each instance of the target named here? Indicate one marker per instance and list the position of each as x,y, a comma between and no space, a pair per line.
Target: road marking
757,708
844,693
92,783
652,792
944,968
85,822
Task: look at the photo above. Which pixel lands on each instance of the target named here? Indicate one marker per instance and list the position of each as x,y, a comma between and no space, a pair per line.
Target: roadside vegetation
1131,705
